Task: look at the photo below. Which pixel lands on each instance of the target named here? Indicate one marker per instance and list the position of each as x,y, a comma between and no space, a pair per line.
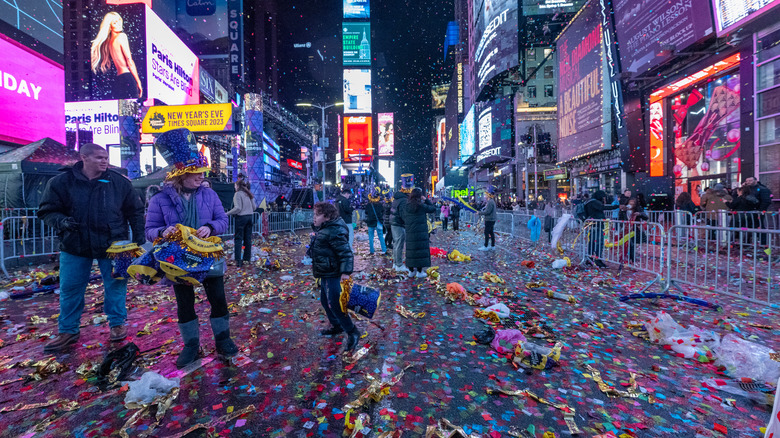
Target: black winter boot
191,337
332,331
352,339
225,346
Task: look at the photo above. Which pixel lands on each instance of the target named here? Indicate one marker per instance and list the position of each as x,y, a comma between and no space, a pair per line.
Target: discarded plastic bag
694,343
661,327
485,337
561,263
529,355
762,394
500,309
745,359
506,340
773,428
151,385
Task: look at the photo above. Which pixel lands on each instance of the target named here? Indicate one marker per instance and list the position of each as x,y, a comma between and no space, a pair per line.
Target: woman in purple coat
184,201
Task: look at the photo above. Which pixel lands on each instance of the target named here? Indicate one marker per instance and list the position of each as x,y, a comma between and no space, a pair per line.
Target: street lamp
322,134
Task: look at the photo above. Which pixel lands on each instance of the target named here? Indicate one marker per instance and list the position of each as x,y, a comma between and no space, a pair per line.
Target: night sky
407,58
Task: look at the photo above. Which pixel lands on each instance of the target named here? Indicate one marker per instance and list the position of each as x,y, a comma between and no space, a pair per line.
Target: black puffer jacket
330,252
764,197
101,209
387,207
418,250
396,211
345,209
373,213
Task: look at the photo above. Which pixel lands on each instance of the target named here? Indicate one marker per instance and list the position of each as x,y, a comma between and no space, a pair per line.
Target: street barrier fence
25,236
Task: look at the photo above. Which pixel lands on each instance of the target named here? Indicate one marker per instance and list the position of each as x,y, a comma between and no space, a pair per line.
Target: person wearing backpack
594,209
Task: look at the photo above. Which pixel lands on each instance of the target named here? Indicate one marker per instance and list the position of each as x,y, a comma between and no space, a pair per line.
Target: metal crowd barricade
668,218
280,222
18,212
639,245
746,265
302,219
504,224
767,220
25,236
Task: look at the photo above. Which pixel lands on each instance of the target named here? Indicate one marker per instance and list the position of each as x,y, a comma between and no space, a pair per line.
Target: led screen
494,130
101,117
731,14
495,29
357,139
172,68
584,116
356,42
542,7
387,170
441,138
357,91
439,95
386,138
645,31
32,96
467,141
357,9
40,19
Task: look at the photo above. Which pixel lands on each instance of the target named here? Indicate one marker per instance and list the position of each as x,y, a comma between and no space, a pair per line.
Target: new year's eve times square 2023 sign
583,112
215,117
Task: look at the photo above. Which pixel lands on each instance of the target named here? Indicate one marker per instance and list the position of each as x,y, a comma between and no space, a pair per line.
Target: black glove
68,224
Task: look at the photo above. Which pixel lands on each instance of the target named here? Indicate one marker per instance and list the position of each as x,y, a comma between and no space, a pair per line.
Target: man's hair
326,209
88,149
346,190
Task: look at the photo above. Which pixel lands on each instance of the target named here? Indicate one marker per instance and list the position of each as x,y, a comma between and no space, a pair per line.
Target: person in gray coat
489,211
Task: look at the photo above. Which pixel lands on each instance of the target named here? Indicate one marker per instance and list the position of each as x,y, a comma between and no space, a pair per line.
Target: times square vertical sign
613,70
236,40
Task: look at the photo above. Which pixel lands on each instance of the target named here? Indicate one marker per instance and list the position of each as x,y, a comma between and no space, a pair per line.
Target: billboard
210,117
32,95
441,139
495,27
357,9
731,14
356,43
357,91
584,123
542,7
387,170
439,95
357,139
101,117
645,30
467,140
295,164
40,19
132,54
386,130
495,119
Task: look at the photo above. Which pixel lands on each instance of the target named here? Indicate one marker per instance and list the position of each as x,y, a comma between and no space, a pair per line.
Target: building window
548,91
547,52
530,54
767,142
531,92
548,72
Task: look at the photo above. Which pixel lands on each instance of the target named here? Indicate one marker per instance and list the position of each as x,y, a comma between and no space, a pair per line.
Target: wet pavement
610,380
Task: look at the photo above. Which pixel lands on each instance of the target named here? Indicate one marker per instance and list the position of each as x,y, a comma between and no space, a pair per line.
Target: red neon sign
295,164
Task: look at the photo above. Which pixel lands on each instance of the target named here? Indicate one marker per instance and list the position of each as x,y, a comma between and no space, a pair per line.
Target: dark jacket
594,208
748,201
373,214
101,210
764,197
689,206
386,208
345,209
396,211
455,212
418,251
331,255
166,209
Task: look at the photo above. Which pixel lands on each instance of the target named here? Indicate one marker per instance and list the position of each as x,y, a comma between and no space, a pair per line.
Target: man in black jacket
455,215
594,209
764,196
90,207
332,262
400,198
345,211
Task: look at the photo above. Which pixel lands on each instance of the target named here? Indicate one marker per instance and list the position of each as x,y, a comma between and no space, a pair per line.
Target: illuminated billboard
542,7
32,95
387,170
644,30
357,91
495,27
357,139
386,130
357,9
439,95
466,137
732,14
101,117
441,139
132,54
40,19
584,122
356,42
494,130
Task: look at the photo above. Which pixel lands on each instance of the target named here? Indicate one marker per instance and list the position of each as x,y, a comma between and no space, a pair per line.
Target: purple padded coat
166,209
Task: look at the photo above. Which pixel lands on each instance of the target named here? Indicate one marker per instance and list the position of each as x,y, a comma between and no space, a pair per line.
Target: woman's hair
326,209
177,182
415,198
683,199
101,60
207,182
243,185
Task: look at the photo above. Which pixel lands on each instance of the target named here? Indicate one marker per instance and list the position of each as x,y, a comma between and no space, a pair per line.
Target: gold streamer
163,403
346,290
221,420
376,390
356,356
406,313
487,315
611,391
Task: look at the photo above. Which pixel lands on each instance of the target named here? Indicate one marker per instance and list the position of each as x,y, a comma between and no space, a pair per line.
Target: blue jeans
378,228
74,277
330,291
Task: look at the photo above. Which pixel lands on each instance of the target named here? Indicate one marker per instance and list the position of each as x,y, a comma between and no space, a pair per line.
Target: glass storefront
767,71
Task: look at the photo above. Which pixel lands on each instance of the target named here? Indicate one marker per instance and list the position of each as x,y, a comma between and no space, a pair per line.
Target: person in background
244,210
684,202
489,211
444,215
185,201
90,207
374,217
400,198
641,201
345,211
418,249
386,221
594,209
206,183
332,263
151,191
764,196
455,215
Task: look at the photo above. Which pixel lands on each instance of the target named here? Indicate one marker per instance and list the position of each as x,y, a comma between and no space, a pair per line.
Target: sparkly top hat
491,191
407,182
375,194
388,194
180,148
